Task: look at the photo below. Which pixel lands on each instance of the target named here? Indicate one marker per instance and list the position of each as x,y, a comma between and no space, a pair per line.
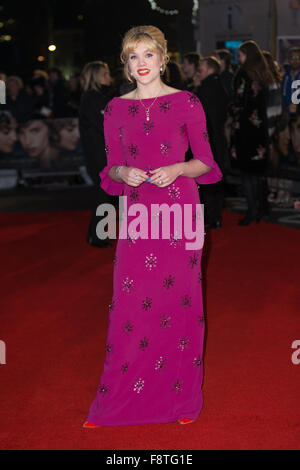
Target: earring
161,68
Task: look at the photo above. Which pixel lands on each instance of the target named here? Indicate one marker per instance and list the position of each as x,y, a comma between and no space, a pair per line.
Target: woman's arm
112,174
127,174
114,152
202,166
192,169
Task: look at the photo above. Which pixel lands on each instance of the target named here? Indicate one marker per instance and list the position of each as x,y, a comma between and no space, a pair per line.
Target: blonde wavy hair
151,36
91,75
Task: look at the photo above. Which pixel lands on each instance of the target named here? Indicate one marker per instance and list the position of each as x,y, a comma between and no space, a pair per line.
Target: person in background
37,73
40,95
96,84
274,106
250,145
280,153
295,139
189,68
291,74
59,94
226,75
75,94
19,103
274,113
3,76
119,84
215,100
174,76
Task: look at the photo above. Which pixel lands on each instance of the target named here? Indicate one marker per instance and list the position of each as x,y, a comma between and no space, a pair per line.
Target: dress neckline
144,99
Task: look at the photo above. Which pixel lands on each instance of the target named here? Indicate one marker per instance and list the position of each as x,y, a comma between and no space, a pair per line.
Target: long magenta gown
153,367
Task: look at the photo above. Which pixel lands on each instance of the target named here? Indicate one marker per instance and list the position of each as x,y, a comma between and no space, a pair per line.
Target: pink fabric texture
153,368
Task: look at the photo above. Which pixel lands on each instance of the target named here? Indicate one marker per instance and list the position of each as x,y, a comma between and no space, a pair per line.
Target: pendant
147,115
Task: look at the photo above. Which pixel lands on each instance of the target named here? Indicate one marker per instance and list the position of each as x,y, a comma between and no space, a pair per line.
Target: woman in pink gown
153,367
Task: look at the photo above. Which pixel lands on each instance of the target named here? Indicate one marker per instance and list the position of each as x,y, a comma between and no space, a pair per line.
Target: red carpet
54,309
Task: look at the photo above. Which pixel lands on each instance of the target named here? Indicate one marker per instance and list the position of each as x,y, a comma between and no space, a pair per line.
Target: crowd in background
251,119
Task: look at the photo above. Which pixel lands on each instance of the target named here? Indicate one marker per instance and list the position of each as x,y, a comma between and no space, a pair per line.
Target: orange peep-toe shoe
185,421
90,425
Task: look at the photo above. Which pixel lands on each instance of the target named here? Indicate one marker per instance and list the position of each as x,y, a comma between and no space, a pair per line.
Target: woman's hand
165,174
133,176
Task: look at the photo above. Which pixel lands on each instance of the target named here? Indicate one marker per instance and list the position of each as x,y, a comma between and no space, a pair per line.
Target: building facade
227,23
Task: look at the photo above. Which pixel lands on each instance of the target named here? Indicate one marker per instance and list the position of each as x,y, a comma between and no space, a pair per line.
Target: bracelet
118,169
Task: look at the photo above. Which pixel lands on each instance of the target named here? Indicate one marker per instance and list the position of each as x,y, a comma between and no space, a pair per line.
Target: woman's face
242,57
294,60
69,135
8,137
34,138
295,137
144,64
105,78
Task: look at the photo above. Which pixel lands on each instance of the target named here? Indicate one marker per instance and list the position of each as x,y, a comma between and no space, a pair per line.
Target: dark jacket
91,130
250,139
215,102
22,107
59,98
227,82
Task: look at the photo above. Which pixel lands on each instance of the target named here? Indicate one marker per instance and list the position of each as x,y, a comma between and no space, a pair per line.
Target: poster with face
38,143
285,148
8,134
68,135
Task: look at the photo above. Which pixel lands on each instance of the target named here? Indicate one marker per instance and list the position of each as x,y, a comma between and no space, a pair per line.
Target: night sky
103,25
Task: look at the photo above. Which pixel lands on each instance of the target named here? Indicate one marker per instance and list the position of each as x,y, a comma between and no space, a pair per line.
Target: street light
52,47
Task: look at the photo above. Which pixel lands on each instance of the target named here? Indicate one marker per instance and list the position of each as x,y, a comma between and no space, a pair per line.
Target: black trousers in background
212,196
255,188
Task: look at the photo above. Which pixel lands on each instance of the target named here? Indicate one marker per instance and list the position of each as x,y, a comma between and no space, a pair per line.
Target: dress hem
167,420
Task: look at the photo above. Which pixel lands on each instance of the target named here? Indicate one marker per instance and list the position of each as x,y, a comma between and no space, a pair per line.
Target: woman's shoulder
192,100
110,106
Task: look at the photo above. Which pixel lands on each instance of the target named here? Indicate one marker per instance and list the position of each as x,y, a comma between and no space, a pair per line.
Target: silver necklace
148,109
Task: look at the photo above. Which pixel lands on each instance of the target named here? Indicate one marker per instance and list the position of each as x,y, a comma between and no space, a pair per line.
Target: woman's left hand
165,175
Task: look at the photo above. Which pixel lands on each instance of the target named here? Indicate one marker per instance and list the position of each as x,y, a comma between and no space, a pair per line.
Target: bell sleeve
195,122
113,149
